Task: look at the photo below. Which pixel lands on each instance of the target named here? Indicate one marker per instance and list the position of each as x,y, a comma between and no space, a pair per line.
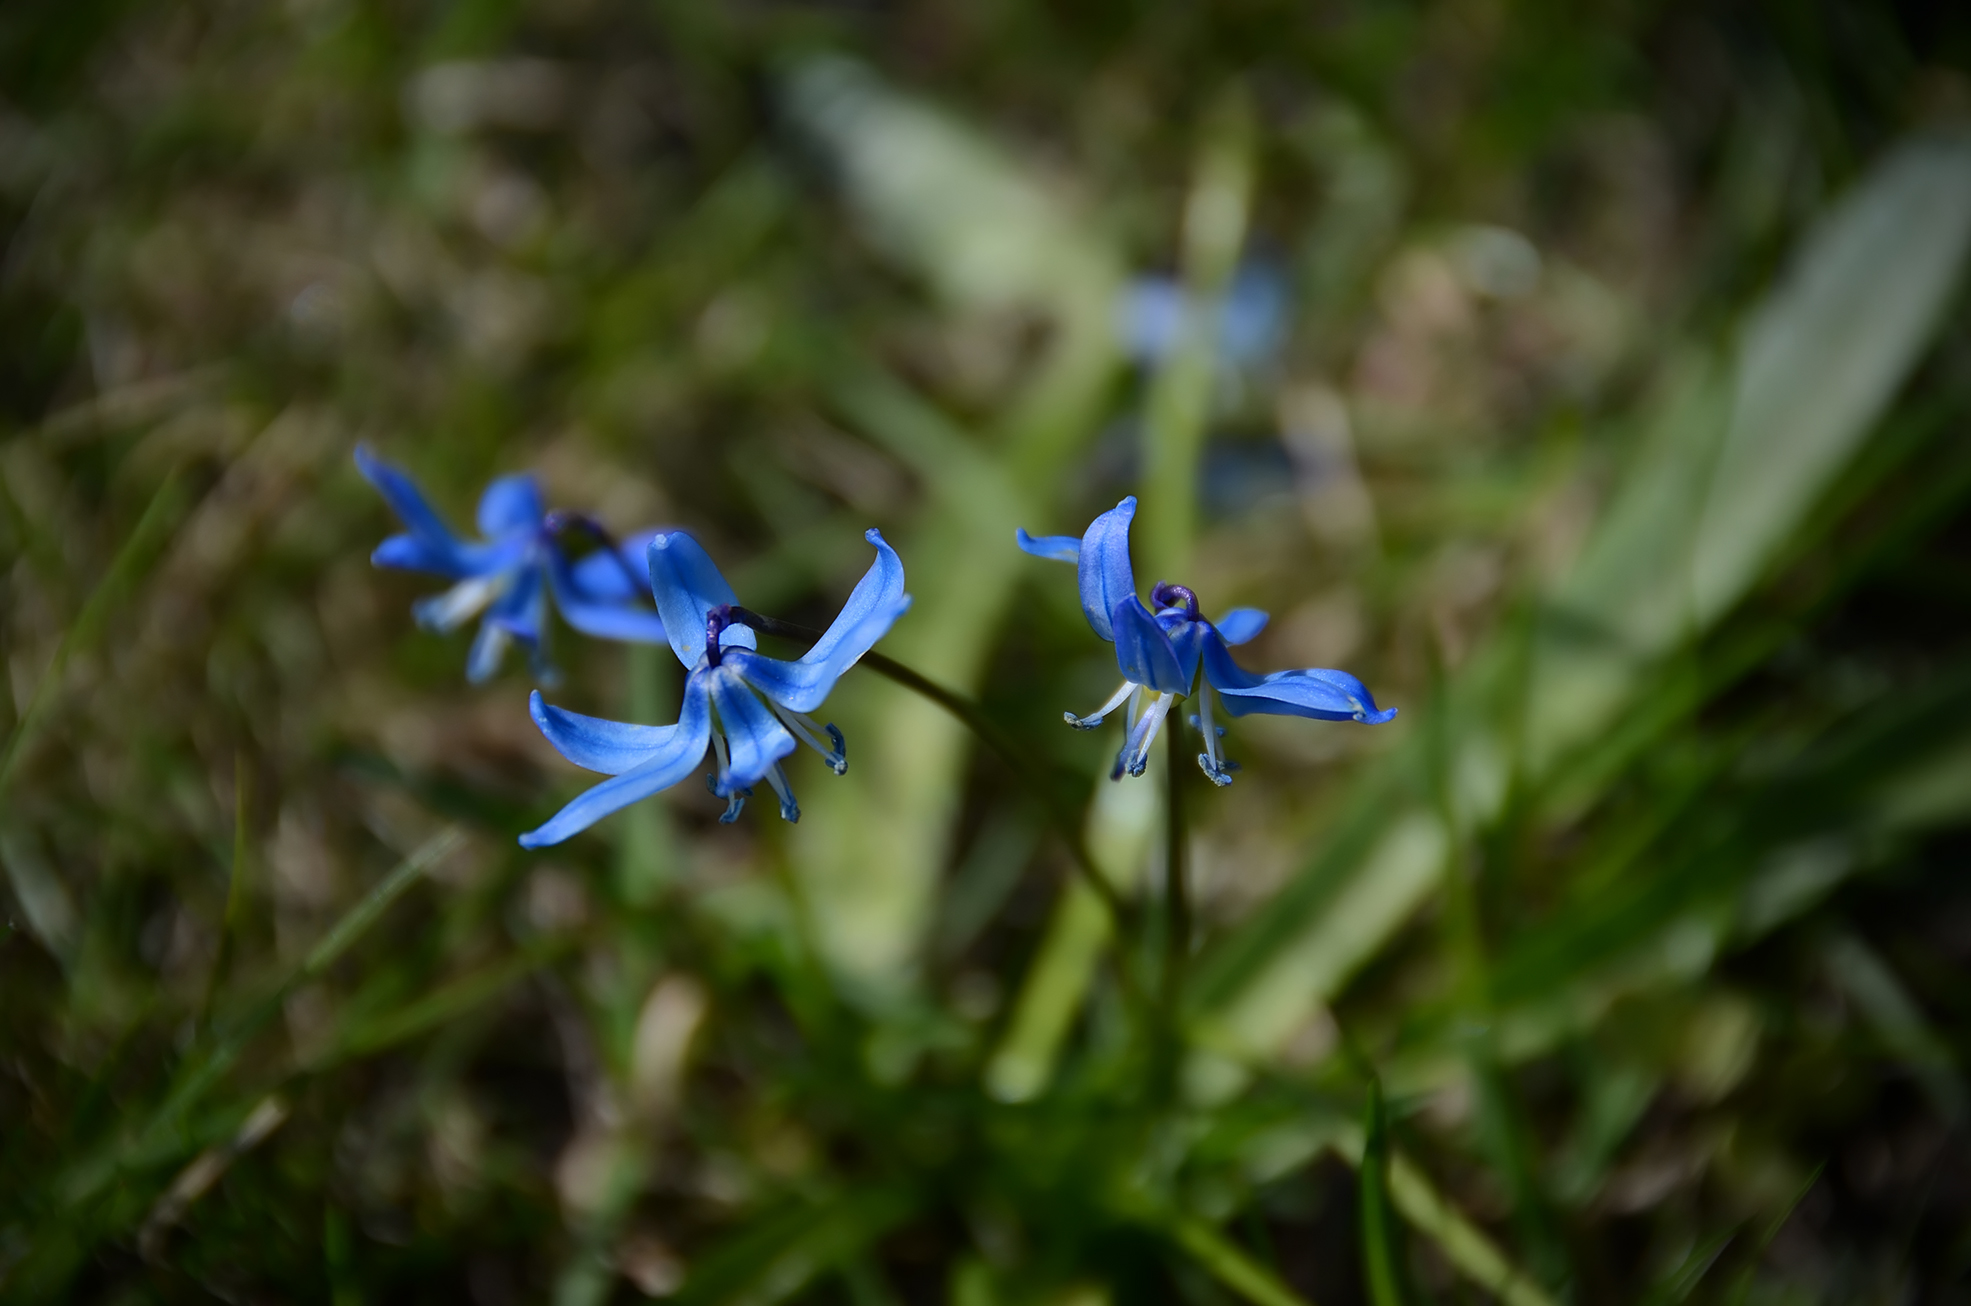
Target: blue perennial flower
761,703
1161,646
509,574
1154,311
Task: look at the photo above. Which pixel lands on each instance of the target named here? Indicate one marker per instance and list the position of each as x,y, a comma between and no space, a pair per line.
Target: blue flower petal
614,747
1313,692
876,603
1143,649
602,617
413,553
687,585
402,494
669,761
617,621
1241,624
1103,569
488,647
511,503
1150,318
1186,643
620,577
752,731
1056,548
430,545
522,608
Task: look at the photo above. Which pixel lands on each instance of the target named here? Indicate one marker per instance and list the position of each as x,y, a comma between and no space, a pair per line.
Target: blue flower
509,574
761,703
1154,312
1160,648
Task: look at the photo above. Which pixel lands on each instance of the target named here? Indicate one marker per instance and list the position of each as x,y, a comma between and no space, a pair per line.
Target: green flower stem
1177,892
974,718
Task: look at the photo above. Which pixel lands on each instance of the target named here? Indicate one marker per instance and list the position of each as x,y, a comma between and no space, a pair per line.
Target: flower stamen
721,786
789,809
1135,755
1211,762
1096,717
808,732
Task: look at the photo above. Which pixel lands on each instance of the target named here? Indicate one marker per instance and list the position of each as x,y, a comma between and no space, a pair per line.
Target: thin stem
974,719
1177,893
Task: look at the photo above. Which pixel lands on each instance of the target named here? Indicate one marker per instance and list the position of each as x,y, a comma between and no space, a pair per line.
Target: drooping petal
1313,692
687,585
1186,634
614,747
488,647
617,621
1143,649
510,503
618,577
670,761
1103,567
415,553
754,734
1241,624
522,607
877,601
1056,548
1150,318
605,618
403,496
454,607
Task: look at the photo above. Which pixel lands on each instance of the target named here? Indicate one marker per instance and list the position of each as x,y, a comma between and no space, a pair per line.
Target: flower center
1166,595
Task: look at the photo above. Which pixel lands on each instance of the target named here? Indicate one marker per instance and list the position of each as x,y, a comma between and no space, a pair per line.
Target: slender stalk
1177,891
973,717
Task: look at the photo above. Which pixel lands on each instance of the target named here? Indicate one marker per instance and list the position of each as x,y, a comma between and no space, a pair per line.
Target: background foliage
1596,393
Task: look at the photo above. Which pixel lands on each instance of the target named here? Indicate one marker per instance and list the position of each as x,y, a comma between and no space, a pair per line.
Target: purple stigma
716,621
1166,595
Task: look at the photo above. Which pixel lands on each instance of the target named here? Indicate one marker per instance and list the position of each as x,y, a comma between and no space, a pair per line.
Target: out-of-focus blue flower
761,703
1154,312
1160,647
508,575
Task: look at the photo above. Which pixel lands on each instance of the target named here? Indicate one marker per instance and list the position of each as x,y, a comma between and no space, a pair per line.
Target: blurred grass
1613,435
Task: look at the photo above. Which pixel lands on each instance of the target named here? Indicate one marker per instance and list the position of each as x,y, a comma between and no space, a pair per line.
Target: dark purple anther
716,621
1166,595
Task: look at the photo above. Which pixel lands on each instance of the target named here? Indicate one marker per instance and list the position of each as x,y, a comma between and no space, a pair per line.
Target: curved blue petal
1186,643
687,585
874,606
1103,567
1253,317
1150,318
1313,692
1057,548
488,648
754,733
1143,650
667,763
511,503
877,600
613,747
618,621
402,494
1241,624
521,609
619,577
604,618
415,553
